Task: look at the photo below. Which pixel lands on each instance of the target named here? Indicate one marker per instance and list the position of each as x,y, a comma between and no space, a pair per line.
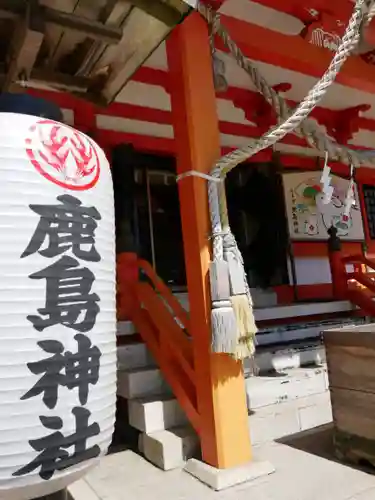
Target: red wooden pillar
221,397
84,116
127,277
338,270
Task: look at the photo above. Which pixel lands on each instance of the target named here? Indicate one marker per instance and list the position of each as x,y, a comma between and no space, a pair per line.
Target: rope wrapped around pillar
236,338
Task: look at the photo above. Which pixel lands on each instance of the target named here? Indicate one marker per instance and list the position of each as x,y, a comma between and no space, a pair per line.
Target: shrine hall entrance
258,221
148,215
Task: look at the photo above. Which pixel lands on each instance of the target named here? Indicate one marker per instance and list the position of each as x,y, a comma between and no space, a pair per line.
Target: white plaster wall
312,270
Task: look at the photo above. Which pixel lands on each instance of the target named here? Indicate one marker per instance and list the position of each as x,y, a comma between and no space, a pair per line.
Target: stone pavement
305,470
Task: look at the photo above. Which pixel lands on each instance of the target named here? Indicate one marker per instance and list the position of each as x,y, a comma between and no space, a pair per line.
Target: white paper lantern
57,306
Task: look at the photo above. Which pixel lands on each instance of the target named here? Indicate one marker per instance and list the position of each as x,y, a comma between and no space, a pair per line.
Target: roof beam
94,29
89,27
77,85
25,45
294,53
113,14
160,10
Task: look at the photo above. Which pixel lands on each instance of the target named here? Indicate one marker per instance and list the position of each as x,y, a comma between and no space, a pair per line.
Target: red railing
358,285
163,325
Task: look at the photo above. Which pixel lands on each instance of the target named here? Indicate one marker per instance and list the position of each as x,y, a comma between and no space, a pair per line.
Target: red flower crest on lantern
63,155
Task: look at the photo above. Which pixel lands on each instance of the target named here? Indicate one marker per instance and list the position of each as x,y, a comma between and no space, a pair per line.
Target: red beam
152,115
341,9
296,54
162,145
159,77
109,138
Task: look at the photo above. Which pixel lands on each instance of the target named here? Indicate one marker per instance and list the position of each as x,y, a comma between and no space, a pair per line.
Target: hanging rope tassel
233,323
243,311
239,289
223,320
226,248
225,330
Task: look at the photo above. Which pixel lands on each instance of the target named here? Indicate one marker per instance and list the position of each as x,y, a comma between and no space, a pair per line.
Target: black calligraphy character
68,226
68,298
82,368
51,369
71,370
54,455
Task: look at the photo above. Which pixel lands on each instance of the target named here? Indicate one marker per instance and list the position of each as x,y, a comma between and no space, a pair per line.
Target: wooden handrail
181,386
359,285
178,311
170,332
158,317
358,259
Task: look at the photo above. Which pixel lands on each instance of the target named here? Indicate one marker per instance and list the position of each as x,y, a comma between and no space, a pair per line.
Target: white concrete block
141,447
273,422
286,358
125,328
141,382
81,490
220,479
134,355
287,386
170,449
315,411
154,414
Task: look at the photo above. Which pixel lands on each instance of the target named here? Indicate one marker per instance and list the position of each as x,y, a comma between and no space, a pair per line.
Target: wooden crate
350,355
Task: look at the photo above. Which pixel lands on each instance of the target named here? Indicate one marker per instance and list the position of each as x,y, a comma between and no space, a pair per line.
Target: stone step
133,355
261,298
125,328
155,413
141,382
285,386
287,403
277,334
269,358
279,357
272,422
170,449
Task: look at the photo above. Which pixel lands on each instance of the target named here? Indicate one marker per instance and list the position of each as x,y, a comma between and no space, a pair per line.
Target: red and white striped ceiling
273,41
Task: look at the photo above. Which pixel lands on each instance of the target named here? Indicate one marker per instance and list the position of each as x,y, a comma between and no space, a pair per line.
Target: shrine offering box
351,371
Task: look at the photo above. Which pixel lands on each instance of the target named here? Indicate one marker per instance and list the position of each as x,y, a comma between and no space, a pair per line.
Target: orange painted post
224,431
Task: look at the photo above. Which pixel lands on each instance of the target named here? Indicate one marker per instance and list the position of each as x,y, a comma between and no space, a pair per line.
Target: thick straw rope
223,238
363,13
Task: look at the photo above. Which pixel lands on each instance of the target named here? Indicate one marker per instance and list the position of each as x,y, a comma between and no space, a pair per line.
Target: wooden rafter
89,27
83,25
135,47
113,14
25,45
160,10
